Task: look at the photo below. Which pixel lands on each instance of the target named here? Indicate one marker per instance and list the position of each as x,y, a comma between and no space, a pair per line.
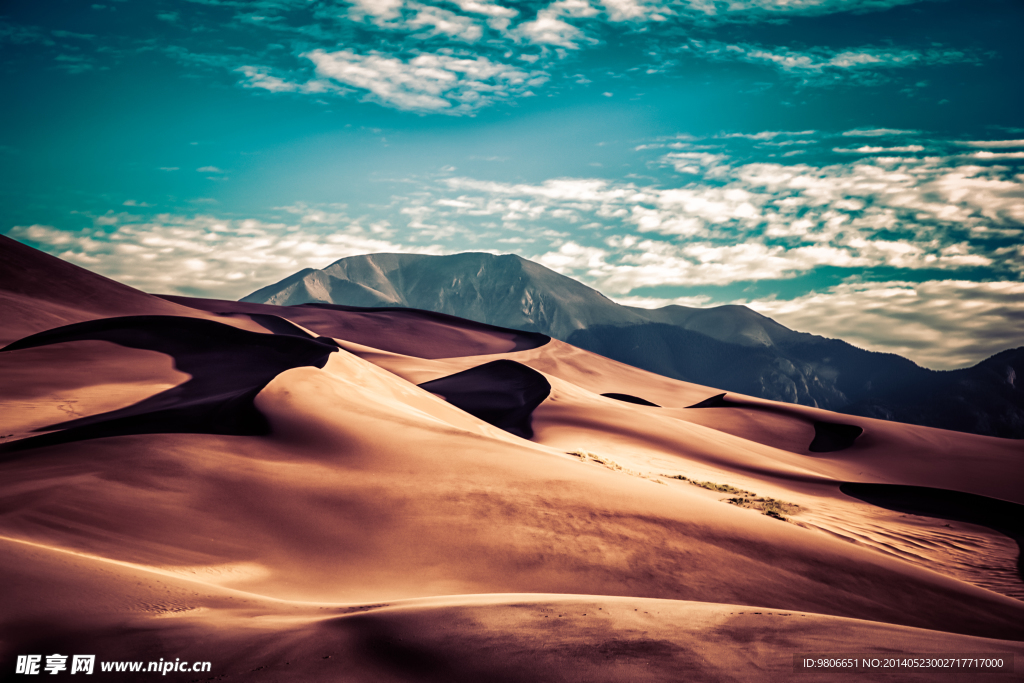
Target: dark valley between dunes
470,468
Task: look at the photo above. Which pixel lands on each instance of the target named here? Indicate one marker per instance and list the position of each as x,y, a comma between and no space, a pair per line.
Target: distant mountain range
729,347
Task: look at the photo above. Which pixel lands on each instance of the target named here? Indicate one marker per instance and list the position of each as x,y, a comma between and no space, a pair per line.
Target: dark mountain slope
829,373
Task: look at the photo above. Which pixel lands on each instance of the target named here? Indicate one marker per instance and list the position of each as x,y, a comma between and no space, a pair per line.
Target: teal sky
853,168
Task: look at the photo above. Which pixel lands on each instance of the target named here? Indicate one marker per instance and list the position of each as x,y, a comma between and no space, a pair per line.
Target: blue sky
853,168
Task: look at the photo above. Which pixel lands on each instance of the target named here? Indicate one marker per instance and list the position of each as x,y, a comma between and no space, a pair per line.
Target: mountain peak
503,289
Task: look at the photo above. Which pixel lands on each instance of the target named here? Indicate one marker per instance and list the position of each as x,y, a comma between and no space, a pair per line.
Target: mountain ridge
386,280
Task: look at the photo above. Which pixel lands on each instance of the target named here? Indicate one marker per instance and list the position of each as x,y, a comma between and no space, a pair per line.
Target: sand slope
372,530
134,613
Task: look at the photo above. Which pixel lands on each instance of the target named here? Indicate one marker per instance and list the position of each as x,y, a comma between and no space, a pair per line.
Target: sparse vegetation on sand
740,497
768,506
610,464
745,499
710,485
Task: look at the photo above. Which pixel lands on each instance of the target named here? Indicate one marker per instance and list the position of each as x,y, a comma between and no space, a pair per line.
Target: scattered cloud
74,63
767,135
877,132
262,78
991,144
734,222
900,149
385,39
631,10
18,34
761,10
426,82
435,21
649,302
489,9
939,324
994,156
466,43
72,34
377,10
551,28
204,255
819,64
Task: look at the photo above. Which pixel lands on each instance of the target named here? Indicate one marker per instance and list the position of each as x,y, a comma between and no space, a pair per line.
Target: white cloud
695,162
260,77
444,22
819,63
205,255
631,10
652,302
411,17
630,263
990,144
573,8
729,222
369,31
572,257
549,29
590,191
486,8
940,324
380,10
767,134
994,156
755,10
877,132
427,82
878,150
836,201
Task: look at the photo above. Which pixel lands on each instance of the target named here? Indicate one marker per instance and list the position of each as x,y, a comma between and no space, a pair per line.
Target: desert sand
323,493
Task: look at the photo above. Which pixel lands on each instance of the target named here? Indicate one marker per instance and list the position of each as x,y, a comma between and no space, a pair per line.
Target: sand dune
227,368
422,334
322,493
502,393
828,436
999,515
125,611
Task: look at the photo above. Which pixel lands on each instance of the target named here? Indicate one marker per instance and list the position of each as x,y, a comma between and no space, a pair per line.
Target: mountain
500,290
729,347
505,290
